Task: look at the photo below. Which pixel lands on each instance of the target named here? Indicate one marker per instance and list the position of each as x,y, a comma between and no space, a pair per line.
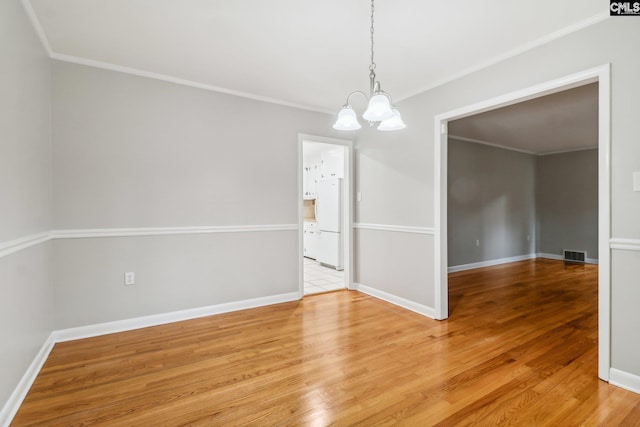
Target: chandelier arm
347,104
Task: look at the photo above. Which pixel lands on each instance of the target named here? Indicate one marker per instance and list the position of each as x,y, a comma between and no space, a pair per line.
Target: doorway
602,76
325,177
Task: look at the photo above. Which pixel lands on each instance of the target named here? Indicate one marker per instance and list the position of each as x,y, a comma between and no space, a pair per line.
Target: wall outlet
477,242
528,237
359,196
636,181
129,278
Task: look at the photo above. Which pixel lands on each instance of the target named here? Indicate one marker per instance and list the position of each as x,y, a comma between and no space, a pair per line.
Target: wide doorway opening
519,229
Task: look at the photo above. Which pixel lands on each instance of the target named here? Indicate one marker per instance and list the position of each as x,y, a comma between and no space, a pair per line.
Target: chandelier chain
380,109
372,66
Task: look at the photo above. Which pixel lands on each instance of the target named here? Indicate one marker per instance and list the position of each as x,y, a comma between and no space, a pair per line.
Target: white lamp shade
347,120
379,109
394,123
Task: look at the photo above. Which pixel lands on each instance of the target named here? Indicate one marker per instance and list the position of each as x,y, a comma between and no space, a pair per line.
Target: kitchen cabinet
309,239
309,180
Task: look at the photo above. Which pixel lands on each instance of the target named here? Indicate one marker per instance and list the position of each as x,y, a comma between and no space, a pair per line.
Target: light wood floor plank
520,348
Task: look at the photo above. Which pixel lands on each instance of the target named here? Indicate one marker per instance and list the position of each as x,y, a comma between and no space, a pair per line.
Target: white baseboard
489,263
12,405
174,316
15,400
624,380
559,257
396,300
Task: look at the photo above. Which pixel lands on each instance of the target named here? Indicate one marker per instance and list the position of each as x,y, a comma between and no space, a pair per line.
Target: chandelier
380,109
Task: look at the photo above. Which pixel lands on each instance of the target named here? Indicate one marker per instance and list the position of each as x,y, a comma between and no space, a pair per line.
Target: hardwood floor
520,348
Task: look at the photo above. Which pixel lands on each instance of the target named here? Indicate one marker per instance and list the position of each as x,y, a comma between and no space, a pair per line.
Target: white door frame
602,75
347,220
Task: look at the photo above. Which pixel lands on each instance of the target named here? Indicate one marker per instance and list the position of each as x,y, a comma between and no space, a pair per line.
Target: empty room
167,246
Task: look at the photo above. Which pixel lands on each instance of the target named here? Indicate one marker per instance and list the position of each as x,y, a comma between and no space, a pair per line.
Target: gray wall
567,202
491,199
395,177
500,197
403,163
136,152
26,309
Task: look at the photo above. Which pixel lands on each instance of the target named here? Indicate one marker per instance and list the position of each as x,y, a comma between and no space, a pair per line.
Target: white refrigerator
329,220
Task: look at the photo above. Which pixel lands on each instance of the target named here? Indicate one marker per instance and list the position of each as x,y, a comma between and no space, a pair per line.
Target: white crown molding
161,231
398,228
505,147
572,150
183,82
37,27
12,246
396,300
515,52
490,144
12,405
624,380
624,244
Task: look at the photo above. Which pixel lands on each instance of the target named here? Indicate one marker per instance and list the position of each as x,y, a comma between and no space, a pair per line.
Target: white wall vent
575,256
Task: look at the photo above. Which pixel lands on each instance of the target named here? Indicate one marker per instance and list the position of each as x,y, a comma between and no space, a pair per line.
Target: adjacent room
523,182
231,213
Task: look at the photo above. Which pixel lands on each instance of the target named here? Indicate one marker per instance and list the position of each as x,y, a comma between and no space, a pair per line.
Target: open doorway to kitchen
325,214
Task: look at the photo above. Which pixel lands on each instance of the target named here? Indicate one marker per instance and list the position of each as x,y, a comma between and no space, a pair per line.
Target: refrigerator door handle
315,209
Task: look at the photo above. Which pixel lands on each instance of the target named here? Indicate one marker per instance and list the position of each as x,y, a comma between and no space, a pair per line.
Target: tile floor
318,278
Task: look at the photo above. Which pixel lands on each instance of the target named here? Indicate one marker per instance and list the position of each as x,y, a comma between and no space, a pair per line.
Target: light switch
359,196
636,181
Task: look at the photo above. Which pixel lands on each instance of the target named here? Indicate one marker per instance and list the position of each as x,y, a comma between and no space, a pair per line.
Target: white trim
7,248
398,228
491,144
183,82
163,318
602,75
440,195
625,244
571,150
128,70
37,27
396,300
624,380
489,263
560,258
519,150
550,256
515,52
12,405
161,231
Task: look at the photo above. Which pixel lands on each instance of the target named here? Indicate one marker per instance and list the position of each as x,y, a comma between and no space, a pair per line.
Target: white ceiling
559,122
303,53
